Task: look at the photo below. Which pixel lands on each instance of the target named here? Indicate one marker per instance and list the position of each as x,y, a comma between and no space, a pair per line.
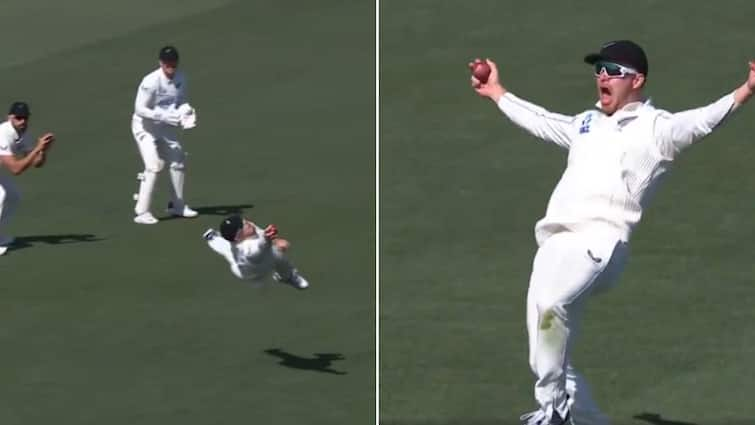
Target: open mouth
605,94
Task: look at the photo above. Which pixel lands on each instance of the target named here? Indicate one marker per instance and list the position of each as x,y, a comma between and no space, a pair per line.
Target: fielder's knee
146,176
155,166
549,314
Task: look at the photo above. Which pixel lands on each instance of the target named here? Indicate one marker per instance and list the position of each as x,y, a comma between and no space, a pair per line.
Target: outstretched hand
271,232
45,141
744,92
492,88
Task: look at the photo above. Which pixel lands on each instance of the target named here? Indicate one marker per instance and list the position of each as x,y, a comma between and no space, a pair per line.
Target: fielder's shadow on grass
320,363
223,210
656,419
22,242
219,210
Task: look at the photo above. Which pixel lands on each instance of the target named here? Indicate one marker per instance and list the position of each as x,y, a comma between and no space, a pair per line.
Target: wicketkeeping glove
188,116
167,117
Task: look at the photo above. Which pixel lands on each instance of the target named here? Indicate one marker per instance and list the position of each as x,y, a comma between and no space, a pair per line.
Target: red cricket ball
481,71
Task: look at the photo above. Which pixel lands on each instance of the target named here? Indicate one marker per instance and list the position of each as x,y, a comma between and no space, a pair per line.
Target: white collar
629,108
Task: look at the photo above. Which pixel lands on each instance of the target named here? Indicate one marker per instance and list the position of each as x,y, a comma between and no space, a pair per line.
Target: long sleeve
224,249
142,107
545,125
675,132
237,271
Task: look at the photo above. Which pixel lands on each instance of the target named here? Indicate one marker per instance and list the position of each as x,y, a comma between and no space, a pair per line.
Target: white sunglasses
613,70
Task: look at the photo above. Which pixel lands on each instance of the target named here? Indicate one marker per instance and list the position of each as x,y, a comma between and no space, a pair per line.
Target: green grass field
461,190
107,322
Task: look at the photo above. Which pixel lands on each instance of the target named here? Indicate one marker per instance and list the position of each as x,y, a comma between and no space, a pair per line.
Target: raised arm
675,132
541,123
17,166
223,248
744,92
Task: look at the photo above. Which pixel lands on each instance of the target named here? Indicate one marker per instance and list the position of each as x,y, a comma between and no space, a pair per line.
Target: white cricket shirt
615,162
254,256
158,95
11,143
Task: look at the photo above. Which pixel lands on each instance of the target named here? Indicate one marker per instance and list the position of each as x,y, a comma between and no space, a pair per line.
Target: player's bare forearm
39,160
742,94
282,244
18,165
41,157
22,164
496,93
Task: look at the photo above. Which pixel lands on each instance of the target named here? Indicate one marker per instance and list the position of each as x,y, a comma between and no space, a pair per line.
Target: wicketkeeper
160,109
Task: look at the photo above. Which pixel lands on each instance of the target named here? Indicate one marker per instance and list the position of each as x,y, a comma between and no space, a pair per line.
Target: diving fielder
253,252
617,154
159,110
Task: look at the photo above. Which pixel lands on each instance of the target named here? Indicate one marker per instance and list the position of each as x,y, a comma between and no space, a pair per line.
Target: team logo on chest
584,127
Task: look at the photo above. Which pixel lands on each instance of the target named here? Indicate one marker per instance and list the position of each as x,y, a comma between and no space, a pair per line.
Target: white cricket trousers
255,272
9,199
158,147
568,268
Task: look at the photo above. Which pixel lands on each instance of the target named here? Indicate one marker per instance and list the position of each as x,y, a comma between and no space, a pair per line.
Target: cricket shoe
3,250
145,218
186,212
538,417
296,280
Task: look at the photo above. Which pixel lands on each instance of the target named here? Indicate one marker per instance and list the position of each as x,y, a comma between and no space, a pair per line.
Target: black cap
19,109
623,52
230,227
168,54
